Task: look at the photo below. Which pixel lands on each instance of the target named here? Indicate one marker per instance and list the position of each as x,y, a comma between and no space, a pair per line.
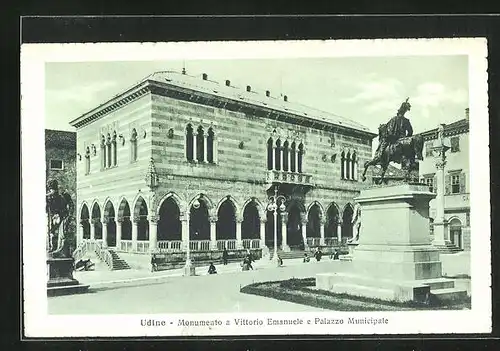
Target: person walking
154,265
224,256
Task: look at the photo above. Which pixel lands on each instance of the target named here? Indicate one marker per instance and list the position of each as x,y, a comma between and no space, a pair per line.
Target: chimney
467,113
228,83
268,93
249,88
285,98
205,76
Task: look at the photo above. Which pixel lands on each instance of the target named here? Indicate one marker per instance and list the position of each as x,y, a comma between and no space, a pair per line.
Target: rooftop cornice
455,128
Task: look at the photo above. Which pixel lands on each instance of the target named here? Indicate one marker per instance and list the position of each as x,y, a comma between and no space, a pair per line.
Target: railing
199,245
143,246
288,177
228,244
251,243
313,241
103,254
331,241
126,245
169,245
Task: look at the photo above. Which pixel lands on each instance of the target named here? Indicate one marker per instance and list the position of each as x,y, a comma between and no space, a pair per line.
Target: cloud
82,94
434,94
376,90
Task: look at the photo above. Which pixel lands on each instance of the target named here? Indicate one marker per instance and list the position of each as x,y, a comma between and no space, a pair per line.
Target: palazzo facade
180,160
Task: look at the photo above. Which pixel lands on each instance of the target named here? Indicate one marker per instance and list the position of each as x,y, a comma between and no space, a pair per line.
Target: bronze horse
404,152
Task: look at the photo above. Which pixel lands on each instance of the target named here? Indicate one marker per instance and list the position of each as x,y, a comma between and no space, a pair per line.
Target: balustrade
251,243
199,245
288,177
126,245
228,244
142,246
313,241
169,245
331,241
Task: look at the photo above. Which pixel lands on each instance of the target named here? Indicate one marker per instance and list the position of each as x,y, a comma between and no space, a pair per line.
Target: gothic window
87,160
348,166
270,153
200,149
189,143
133,146
103,152
342,165
353,166
293,166
285,156
113,146
108,151
300,157
455,144
210,146
277,152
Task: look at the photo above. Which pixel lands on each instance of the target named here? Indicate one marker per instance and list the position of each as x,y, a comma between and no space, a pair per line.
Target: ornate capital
213,219
119,220
105,220
440,164
136,219
263,220
153,218
284,217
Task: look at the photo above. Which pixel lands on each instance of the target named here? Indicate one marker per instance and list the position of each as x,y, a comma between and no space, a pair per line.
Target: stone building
457,185
179,160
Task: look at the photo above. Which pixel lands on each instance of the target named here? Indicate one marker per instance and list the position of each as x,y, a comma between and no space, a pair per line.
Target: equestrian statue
397,144
59,208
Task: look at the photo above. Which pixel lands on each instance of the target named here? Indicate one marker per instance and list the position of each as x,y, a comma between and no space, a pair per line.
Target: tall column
213,234
339,232
303,220
205,153
346,165
118,232
239,242
440,223
92,229
104,232
153,232
284,234
214,150
135,223
355,175
79,237
322,231
263,232
195,147
185,230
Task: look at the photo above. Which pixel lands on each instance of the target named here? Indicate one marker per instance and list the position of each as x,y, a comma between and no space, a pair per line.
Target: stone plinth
394,259
60,279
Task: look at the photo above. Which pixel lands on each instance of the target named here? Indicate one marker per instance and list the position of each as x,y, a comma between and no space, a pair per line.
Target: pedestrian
280,261
211,269
306,258
224,256
154,265
335,255
245,265
318,254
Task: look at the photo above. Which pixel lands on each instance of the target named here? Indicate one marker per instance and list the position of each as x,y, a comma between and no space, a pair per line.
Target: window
293,166
342,165
300,157
455,144
277,156
348,166
285,156
270,163
108,151
103,152
133,146
455,183
428,149
113,148
210,146
56,165
200,144
87,160
189,143
431,183
354,167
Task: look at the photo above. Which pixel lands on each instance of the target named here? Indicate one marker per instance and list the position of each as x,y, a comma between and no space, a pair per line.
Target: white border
33,58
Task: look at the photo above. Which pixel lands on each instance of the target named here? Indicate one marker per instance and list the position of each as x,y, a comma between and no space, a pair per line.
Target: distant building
60,159
457,185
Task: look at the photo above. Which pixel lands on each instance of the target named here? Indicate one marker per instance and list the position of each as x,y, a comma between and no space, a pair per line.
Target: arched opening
199,224
210,146
456,232
169,222
226,222
189,142
109,216
332,222
347,221
353,166
124,216
141,211
293,166
270,153
200,146
285,156
313,222
269,235
250,227
277,152
300,158
294,228
84,221
96,221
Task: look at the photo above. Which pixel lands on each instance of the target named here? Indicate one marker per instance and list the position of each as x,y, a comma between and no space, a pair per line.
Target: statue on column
397,144
59,210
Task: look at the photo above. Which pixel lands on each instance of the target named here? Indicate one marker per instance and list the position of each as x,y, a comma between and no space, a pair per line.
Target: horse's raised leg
368,164
384,169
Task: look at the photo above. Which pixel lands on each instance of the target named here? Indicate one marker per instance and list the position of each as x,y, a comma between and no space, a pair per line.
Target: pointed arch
342,165
293,157
348,165
189,142
295,202
233,202
347,216
314,215
210,145
286,153
332,220
205,199
320,206
200,144
260,207
354,167
124,216
277,154
169,214
84,211
109,209
226,219
250,226
140,207
270,155
85,220
123,208
133,145
176,198
300,158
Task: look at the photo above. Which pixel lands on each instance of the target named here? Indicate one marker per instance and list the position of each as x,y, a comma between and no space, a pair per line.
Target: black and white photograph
256,188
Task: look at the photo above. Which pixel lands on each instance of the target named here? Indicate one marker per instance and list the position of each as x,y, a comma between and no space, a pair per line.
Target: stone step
449,295
360,290
439,283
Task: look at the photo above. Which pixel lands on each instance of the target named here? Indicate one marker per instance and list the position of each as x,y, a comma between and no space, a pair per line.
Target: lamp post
273,207
189,269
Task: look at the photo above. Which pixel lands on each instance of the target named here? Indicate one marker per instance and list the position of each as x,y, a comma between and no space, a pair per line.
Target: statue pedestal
60,279
350,255
394,260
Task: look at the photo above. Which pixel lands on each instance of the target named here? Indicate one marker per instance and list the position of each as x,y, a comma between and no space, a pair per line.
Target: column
113,153
339,232
205,152
346,164
263,232
284,234
274,157
79,237
239,242
195,147
297,159
440,223
281,157
185,231
104,232
215,148
153,232
355,175
92,229
135,223
213,234
304,230
322,231
118,233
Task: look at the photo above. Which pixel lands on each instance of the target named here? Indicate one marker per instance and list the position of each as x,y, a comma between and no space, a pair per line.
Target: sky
365,89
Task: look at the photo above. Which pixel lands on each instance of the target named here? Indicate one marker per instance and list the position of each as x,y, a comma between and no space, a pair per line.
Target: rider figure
398,127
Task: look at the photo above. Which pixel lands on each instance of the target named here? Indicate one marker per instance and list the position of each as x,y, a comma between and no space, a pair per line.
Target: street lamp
189,269
273,207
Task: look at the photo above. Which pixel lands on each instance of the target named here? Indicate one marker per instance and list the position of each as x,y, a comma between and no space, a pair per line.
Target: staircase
117,262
